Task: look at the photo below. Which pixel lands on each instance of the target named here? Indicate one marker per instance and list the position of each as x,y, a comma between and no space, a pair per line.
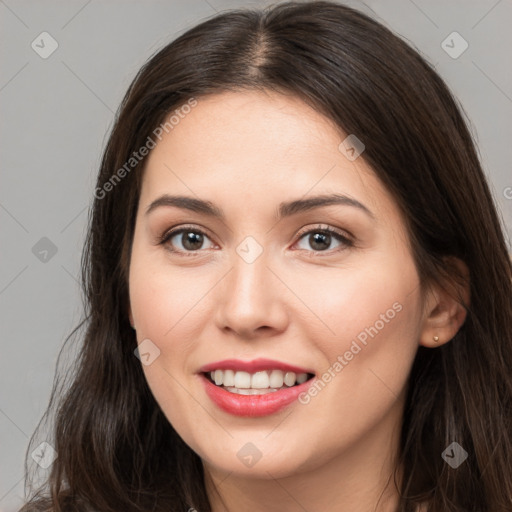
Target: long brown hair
116,450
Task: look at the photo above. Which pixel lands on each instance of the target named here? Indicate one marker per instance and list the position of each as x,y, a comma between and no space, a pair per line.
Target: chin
255,460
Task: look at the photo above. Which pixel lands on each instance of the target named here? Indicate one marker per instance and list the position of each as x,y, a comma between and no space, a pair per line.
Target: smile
259,383
256,388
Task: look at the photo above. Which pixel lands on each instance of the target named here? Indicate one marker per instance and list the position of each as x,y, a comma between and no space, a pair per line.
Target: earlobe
445,306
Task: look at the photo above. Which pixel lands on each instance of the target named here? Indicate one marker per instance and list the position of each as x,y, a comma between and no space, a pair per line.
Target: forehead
249,148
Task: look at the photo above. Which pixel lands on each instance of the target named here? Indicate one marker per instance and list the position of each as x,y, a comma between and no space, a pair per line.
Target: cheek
167,304
163,298
368,308
361,302
162,302
375,315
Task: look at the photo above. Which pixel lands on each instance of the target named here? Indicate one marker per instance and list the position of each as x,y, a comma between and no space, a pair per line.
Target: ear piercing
436,338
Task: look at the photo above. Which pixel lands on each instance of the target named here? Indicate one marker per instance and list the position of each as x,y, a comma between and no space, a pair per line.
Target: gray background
55,115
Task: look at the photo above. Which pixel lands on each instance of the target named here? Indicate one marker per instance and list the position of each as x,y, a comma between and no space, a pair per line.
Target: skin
298,303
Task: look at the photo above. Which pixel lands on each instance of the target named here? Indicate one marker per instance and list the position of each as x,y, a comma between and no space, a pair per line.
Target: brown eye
320,239
184,239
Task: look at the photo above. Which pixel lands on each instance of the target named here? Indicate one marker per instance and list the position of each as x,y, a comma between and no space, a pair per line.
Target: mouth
258,383
256,388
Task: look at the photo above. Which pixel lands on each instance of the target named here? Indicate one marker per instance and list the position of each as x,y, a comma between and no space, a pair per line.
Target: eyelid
325,227
171,232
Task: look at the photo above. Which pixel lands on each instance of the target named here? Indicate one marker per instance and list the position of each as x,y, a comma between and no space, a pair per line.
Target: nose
251,300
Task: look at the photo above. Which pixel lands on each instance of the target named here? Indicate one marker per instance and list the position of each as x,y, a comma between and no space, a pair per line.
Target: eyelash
168,235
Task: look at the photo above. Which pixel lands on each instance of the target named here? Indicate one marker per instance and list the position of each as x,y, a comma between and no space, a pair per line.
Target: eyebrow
286,209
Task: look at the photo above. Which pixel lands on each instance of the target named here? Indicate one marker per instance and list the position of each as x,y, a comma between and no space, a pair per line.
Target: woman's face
260,295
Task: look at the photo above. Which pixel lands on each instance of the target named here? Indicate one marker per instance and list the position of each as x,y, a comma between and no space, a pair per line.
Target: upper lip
256,365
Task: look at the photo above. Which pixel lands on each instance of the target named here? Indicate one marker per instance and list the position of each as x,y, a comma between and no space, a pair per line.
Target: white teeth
229,378
251,391
289,379
256,383
276,379
260,380
242,380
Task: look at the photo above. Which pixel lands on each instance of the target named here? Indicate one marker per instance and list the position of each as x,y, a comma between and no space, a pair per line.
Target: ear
444,311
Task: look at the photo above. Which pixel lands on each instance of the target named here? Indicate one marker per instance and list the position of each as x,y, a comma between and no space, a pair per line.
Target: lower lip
253,405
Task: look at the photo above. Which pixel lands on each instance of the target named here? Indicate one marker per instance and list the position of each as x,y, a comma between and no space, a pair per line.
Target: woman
298,288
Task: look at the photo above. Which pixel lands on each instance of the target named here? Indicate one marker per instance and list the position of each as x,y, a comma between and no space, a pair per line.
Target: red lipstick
257,365
253,405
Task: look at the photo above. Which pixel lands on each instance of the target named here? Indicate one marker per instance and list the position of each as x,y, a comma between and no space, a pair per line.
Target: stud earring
436,338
